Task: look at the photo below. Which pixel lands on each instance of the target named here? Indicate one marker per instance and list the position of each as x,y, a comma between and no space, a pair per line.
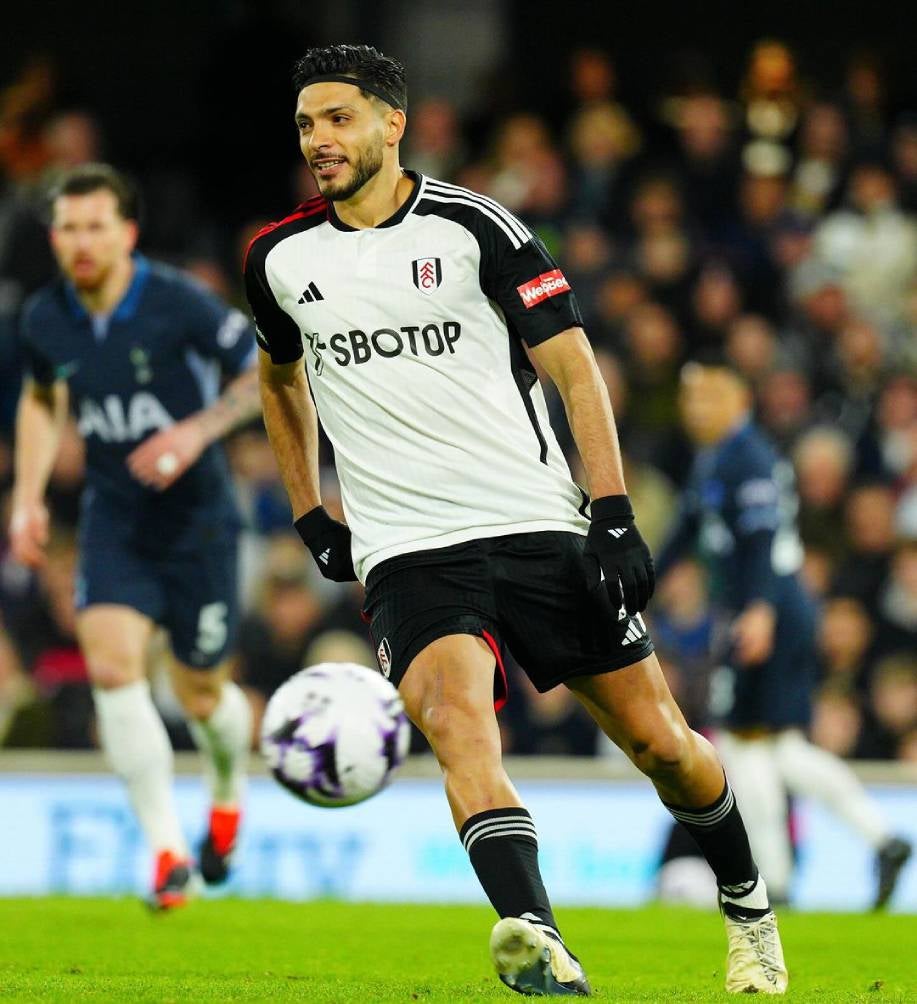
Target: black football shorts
527,591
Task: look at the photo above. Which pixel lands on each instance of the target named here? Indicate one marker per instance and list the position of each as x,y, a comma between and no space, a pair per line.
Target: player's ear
395,127
132,230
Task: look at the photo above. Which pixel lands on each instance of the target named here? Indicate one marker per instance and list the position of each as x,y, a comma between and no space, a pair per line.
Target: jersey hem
462,537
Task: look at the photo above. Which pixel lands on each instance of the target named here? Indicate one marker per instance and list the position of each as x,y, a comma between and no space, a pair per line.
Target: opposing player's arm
40,419
163,458
222,334
755,521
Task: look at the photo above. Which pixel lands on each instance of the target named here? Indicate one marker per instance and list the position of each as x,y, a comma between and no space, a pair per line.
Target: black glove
616,549
329,542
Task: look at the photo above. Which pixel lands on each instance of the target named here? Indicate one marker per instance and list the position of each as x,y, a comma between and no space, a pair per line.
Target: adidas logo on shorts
325,556
636,630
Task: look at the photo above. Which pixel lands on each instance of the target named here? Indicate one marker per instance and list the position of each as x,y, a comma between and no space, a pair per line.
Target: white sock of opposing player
751,766
224,739
809,770
137,746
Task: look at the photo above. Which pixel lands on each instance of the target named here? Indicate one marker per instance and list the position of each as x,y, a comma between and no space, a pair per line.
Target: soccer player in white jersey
408,309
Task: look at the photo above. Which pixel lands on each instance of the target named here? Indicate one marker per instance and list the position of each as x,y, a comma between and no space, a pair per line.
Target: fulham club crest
428,274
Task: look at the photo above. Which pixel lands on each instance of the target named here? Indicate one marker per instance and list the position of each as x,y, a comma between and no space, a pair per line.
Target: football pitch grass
251,950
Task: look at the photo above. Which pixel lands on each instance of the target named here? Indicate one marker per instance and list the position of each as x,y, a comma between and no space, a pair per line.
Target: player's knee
457,731
662,753
110,674
199,698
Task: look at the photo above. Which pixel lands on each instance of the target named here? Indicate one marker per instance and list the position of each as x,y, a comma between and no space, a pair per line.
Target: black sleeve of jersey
222,333
528,285
275,331
37,365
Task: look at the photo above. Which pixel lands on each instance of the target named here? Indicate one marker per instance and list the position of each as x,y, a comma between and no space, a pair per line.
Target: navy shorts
185,578
528,591
777,694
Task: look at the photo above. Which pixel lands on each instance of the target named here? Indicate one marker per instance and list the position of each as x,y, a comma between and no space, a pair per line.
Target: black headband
364,85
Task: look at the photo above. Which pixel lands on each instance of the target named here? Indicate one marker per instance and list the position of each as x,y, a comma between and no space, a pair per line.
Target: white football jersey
413,337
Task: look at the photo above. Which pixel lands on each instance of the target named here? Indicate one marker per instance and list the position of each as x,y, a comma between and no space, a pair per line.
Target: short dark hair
714,356
87,178
359,61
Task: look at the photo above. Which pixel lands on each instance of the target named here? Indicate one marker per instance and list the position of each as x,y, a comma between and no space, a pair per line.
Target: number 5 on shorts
211,627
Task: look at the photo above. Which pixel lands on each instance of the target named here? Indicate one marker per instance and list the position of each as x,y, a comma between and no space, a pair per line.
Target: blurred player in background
137,352
417,301
739,510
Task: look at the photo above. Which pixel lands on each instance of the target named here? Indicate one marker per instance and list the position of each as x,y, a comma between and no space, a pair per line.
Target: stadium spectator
752,346
871,243
824,460
436,146
845,642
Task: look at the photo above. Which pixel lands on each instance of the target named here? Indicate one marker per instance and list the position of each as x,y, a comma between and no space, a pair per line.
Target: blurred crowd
778,222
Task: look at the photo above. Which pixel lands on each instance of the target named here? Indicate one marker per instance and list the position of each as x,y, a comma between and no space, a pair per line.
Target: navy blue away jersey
157,358
739,512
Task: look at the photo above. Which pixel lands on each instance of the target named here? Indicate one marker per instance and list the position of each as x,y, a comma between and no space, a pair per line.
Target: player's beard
89,281
363,169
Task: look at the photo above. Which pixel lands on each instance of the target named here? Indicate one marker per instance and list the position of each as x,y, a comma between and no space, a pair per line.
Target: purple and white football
334,733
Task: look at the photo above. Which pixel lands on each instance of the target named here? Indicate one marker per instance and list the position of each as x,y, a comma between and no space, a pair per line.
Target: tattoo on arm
239,403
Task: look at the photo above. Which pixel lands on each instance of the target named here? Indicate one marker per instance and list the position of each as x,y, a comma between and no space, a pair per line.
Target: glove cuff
616,507
314,521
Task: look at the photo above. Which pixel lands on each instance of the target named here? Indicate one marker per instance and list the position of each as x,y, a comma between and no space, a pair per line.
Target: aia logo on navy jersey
428,274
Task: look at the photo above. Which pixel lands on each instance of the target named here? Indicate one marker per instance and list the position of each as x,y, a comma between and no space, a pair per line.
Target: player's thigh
416,600
554,623
118,596
635,708
199,690
202,603
448,694
114,640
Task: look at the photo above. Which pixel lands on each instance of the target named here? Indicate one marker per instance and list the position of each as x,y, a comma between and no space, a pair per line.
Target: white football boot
754,963
533,962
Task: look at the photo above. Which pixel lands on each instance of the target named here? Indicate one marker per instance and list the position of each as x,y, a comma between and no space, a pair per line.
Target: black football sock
503,847
719,832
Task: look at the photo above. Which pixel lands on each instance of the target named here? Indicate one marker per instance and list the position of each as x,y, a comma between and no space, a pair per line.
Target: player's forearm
292,428
592,422
593,426
237,405
570,362
40,419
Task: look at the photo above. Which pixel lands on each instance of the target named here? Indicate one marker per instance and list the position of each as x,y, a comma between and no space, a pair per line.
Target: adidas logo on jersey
618,533
310,294
325,556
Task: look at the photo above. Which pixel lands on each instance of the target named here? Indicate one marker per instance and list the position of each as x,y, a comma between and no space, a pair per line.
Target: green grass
236,950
